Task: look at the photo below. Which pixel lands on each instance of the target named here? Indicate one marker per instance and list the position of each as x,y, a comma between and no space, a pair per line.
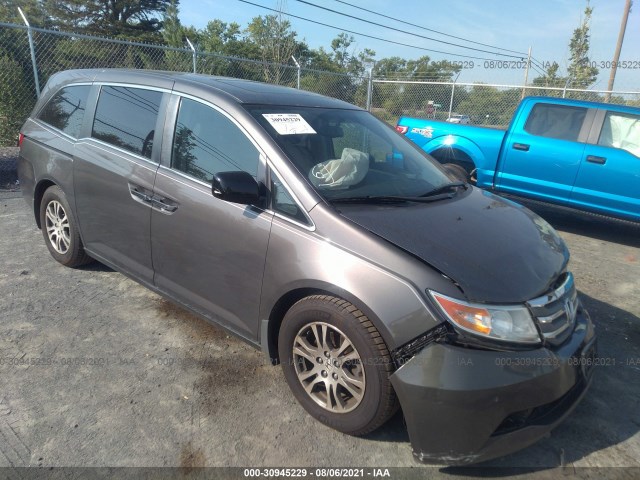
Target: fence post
453,91
33,53
194,55
370,89
298,67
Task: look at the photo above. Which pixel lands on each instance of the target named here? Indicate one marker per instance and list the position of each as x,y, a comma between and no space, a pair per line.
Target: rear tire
337,364
59,229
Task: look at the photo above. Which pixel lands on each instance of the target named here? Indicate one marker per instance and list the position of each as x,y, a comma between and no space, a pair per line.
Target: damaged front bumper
465,406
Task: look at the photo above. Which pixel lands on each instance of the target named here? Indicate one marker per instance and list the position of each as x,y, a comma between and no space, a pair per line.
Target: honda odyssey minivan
313,231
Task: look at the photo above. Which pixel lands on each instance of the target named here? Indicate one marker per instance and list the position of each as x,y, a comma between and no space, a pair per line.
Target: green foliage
581,72
16,100
489,106
133,19
412,98
31,8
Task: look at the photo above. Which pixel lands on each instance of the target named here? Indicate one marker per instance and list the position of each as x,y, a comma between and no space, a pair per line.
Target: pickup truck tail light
20,139
401,129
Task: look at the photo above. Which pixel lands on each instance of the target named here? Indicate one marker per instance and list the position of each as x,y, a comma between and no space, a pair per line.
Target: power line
431,30
365,35
407,32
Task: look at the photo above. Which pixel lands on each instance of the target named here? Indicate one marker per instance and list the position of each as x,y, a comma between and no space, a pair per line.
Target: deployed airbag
350,169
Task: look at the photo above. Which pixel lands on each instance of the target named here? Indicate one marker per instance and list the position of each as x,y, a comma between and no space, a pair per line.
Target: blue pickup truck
577,154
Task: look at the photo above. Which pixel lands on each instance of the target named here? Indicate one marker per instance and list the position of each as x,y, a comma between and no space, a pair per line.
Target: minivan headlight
505,323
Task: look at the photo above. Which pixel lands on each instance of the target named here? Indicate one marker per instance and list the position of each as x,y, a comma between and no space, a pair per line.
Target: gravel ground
98,371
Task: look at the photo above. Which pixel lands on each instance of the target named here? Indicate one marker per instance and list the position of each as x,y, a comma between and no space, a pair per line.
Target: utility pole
616,55
526,73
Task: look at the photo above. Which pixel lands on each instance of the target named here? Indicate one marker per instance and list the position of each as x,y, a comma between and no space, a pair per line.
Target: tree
31,8
581,72
276,42
173,34
133,19
412,98
17,97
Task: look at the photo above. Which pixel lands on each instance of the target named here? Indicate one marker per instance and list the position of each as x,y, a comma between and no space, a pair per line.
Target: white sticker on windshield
288,123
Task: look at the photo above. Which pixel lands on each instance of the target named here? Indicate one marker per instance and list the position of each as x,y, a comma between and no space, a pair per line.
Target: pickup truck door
541,156
609,176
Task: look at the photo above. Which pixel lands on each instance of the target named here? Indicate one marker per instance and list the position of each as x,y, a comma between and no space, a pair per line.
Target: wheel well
455,156
278,312
37,198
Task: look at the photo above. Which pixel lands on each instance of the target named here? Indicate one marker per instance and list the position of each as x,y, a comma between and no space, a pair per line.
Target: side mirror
236,187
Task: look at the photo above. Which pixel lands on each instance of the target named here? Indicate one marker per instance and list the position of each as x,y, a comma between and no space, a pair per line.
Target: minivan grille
556,311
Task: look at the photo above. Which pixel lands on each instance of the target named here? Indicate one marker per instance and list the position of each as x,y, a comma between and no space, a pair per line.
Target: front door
209,253
543,159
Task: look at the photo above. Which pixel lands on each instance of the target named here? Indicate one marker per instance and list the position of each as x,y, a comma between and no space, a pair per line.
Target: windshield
349,153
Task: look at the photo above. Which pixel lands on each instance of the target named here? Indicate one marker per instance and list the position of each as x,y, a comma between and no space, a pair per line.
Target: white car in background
461,119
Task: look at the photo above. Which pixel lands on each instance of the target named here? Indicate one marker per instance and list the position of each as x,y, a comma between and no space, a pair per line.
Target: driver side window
206,142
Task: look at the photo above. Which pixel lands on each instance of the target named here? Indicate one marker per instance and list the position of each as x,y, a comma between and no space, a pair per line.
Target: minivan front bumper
465,406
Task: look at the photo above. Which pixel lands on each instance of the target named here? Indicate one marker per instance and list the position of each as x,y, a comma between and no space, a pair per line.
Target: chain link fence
21,75
487,105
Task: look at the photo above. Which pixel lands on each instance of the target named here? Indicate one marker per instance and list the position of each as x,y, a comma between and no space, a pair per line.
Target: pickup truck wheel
457,171
337,364
60,230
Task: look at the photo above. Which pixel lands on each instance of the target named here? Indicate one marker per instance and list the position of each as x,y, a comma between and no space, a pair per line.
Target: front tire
337,364
59,229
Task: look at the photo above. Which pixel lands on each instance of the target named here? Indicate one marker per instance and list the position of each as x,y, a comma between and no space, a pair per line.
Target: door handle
595,159
164,204
521,146
139,193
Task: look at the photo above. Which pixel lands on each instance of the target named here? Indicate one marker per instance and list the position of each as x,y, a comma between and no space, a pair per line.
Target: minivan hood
494,249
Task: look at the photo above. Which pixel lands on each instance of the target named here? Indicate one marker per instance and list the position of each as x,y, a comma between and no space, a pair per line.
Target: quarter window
621,130
282,202
206,142
126,117
65,110
556,121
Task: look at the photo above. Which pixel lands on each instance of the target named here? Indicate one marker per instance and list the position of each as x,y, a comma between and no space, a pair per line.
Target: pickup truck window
556,121
621,130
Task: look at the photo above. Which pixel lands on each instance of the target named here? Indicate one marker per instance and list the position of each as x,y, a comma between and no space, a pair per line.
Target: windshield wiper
390,199
445,188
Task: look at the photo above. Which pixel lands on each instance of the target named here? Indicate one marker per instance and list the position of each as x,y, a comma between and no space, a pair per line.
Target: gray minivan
312,230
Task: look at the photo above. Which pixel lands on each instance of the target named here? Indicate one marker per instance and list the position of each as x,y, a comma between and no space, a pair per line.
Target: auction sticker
288,123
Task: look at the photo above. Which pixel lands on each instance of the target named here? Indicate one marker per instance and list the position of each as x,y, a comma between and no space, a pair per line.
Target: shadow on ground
593,226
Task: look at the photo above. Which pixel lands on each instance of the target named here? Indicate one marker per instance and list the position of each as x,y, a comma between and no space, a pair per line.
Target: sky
544,25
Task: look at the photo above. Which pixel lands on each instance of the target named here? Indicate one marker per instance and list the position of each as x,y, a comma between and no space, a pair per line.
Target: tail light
402,129
20,139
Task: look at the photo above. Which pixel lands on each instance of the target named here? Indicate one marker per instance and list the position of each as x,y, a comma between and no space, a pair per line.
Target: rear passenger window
65,110
621,130
206,142
126,117
556,121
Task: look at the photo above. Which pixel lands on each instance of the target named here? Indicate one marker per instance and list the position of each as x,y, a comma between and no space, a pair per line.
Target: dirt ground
95,370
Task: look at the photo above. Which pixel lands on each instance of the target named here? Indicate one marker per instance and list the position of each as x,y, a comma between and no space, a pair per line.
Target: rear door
609,177
542,159
208,253
114,172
